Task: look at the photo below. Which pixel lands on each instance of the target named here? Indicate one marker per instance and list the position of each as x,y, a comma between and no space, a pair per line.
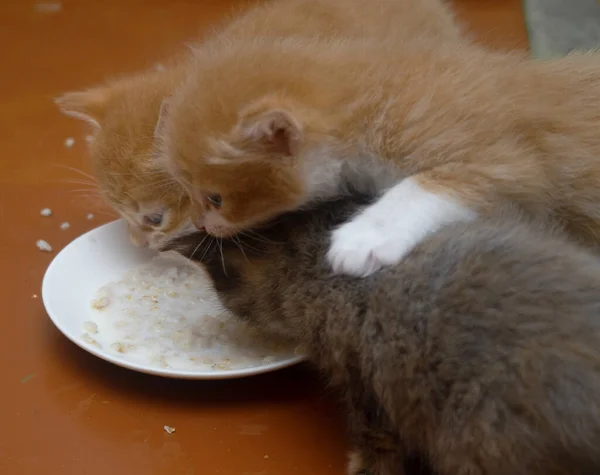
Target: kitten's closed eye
154,219
216,200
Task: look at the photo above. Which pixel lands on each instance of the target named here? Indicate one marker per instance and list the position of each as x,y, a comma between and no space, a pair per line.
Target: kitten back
482,345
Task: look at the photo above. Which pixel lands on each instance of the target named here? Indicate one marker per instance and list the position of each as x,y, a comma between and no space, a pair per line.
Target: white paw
385,232
360,248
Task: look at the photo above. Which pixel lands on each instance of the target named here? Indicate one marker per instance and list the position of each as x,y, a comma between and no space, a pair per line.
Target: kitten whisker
77,170
257,237
80,182
239,244
196,248
220,243
248,246
88,190
208,247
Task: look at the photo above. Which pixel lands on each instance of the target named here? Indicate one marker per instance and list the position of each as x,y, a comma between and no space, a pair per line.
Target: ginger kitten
123,117
443,131
480,351
123,113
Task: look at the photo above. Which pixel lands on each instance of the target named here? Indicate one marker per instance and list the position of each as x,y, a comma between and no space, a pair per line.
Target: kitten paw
360,248
385,232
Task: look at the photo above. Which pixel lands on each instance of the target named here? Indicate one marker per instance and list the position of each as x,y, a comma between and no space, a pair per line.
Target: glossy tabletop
62,410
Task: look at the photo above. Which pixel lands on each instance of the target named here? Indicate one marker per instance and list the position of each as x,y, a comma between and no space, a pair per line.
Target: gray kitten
480,350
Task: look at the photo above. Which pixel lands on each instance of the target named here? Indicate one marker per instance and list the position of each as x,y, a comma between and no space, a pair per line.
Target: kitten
444,131
123,115
480,351
124,112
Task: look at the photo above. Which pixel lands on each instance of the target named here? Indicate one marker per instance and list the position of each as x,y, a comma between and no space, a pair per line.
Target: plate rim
138,367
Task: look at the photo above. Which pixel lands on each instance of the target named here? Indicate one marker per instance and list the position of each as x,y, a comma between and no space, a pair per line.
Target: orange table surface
64,411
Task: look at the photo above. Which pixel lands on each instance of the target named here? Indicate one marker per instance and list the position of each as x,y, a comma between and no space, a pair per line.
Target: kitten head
246,269
123,116
241,147
238,172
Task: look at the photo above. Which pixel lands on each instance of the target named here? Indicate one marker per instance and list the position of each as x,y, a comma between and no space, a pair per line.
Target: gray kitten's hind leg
377,449
379,463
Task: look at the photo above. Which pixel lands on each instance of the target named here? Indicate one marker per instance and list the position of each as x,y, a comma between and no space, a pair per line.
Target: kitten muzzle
198,218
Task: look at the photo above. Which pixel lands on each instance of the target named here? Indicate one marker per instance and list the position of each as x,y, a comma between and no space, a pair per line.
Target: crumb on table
169,430
65,226
43,246
69,142
46,212
48,7
90,216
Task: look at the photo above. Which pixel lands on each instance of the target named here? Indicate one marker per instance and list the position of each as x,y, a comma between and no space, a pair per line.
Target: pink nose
199,223
198,220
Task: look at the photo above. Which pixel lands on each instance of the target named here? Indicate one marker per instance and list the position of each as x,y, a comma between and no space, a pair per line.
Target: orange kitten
123,115
124,112
444,132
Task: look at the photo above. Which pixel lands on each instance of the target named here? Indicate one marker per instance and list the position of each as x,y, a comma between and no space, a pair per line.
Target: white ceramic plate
98,257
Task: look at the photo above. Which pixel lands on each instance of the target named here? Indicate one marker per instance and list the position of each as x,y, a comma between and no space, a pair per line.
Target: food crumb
90,327
90,216
169,430
122,347
28,378
69,142
34,296
100,303
92,341
266,457
46,212
150,314
118,347
65,226
43,246
48,7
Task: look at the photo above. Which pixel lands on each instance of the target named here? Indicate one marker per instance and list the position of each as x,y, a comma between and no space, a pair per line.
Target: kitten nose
199,223
198,218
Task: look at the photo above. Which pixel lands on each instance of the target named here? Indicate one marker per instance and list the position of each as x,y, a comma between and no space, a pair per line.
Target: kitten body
124,111
444,131
479,351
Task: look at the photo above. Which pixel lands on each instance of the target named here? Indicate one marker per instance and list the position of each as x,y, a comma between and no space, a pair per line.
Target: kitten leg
386,231
377,449
361,462
356,463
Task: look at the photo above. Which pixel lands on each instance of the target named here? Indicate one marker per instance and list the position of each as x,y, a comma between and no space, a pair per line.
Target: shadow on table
298,382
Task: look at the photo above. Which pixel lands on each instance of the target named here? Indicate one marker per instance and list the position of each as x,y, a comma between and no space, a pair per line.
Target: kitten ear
271,126
84,105
163,113
158,136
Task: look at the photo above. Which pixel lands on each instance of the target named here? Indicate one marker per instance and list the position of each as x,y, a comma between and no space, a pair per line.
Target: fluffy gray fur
480,350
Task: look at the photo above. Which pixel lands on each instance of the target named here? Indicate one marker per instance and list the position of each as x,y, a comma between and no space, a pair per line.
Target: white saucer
93,260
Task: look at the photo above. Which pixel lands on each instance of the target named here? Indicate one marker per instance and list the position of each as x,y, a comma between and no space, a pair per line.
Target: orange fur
125,112
475,126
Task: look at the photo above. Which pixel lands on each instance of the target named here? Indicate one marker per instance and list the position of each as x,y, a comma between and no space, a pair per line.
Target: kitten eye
154,219
215,200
